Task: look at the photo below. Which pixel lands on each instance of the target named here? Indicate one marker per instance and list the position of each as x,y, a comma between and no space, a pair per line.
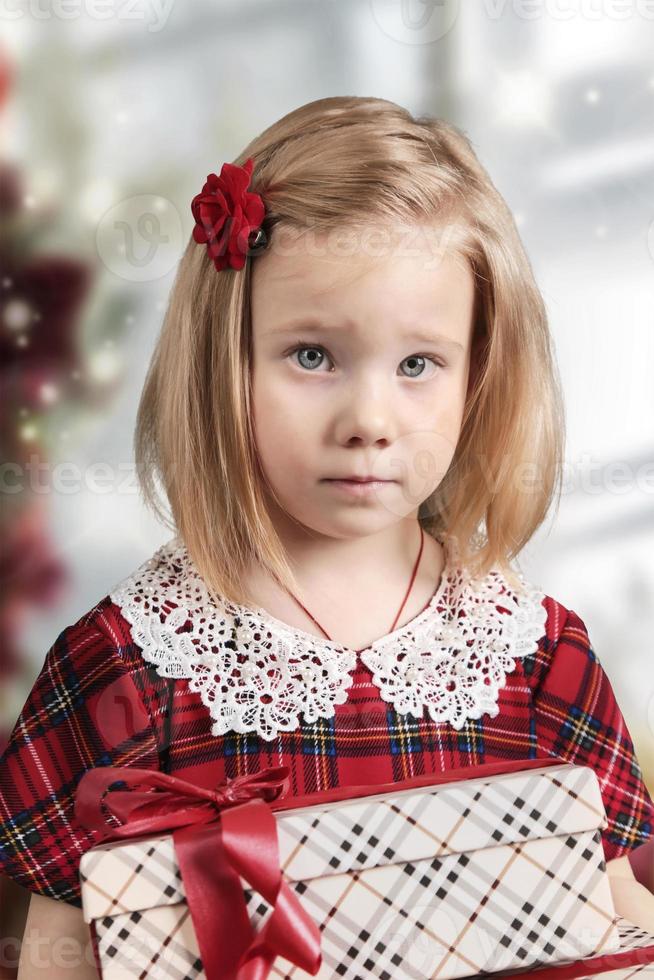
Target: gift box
479,871
636,949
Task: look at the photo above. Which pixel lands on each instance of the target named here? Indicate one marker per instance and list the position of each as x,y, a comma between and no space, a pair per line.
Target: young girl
354,413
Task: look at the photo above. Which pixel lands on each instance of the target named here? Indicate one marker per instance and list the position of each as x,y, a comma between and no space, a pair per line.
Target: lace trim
255,673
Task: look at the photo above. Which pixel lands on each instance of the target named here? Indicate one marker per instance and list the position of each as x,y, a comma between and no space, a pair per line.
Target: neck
319,561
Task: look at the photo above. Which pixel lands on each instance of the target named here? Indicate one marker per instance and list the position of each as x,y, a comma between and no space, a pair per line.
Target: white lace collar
255,673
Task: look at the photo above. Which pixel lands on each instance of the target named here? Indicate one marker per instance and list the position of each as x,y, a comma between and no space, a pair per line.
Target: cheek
449,418
443,408
272,410
280,429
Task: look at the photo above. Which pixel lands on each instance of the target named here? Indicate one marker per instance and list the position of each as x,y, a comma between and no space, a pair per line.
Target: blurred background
112,115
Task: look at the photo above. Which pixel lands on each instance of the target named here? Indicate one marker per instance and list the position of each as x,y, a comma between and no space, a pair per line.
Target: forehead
371,271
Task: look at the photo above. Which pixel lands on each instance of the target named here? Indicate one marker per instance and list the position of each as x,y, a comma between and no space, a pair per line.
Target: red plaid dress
97,702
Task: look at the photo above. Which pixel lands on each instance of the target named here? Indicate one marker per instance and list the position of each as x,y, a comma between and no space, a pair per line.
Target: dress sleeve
84,710
577,719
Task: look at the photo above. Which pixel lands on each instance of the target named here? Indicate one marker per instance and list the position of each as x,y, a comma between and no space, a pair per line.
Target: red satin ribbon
220,836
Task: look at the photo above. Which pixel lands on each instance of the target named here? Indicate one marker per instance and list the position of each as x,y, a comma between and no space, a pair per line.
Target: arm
73,720
632,899
578,720
642,864
56,943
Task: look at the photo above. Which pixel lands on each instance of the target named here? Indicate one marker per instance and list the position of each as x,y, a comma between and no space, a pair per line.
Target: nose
366,414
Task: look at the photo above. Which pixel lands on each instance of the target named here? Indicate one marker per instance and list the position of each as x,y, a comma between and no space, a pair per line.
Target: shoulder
564,649
97,645
123,621
107,624
103,624
87,674
516,612
562,623
550,639
577,719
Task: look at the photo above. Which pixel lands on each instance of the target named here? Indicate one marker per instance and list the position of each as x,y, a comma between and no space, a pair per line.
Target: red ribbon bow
220,835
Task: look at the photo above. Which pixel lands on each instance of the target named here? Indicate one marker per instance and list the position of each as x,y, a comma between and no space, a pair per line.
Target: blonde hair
317,167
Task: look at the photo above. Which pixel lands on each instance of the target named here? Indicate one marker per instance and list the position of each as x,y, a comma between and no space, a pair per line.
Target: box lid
437,820
403,824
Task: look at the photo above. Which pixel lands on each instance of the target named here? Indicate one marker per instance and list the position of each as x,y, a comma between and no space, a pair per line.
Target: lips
360,479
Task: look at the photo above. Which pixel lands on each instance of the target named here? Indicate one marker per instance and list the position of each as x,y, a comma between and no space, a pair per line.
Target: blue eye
316,354
314,359
416,359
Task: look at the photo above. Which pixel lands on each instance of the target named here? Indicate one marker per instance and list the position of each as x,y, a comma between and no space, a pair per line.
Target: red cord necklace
408,591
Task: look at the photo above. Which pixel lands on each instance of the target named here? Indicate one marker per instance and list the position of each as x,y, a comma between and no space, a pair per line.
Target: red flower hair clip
228,217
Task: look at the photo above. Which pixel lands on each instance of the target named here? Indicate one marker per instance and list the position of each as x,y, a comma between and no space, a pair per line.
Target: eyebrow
410,333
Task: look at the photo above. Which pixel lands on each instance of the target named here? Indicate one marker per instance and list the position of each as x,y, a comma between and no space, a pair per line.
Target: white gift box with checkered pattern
488,874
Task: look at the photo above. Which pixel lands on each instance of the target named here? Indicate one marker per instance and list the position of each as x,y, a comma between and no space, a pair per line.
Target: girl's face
360,366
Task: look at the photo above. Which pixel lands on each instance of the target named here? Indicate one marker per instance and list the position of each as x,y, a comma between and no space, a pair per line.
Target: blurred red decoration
40,298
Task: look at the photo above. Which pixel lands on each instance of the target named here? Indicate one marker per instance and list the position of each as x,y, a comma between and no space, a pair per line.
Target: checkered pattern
97,702
159,945
488,874
491,896
361,833
396,921
162,946
462,817
631,938
511,906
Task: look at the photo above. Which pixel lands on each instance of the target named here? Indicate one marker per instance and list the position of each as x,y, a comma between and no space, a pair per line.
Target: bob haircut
316,168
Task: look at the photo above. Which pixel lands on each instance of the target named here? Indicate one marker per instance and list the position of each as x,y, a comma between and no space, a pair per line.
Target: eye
311,357
417,360
314,357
